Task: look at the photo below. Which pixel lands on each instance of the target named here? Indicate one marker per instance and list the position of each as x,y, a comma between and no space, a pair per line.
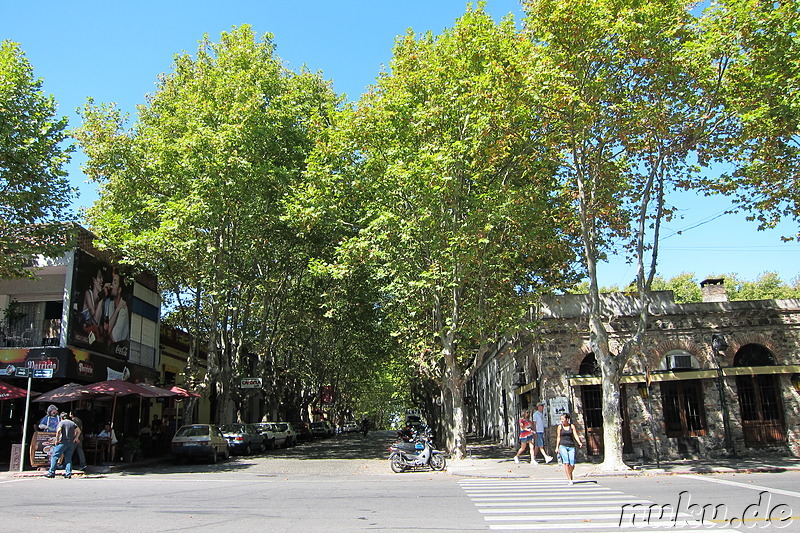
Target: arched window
753,355
589,366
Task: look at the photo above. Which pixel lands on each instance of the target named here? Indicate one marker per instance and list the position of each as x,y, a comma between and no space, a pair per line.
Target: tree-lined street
345,484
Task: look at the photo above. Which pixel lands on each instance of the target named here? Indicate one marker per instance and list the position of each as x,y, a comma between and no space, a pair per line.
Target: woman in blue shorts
566,439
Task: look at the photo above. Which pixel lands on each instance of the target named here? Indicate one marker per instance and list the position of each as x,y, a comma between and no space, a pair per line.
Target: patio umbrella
113,388
10,392
65,393
183,393
158,393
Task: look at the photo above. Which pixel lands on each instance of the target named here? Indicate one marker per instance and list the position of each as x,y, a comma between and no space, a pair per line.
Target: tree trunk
612,420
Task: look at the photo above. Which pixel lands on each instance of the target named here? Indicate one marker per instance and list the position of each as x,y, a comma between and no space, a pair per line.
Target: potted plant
131,448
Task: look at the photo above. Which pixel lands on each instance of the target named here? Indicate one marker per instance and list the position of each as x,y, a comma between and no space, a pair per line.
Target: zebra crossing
552,505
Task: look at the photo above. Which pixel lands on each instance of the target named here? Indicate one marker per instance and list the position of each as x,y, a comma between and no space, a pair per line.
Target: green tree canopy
438,184
195,192
34,189
758,42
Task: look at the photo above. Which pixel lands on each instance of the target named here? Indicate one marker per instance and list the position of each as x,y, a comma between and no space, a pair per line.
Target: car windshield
192,431
232,428
282,427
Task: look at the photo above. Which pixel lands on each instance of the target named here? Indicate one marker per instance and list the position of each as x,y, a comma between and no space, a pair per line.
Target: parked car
291,434
281,435
350,427
243,438
275,437
199,440
268,432
322,429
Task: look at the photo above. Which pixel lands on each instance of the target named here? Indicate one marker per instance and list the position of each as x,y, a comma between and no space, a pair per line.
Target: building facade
716,378
82,318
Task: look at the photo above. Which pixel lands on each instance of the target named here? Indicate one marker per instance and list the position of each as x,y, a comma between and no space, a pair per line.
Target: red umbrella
65,393
10,392
117,387
184,393
158,392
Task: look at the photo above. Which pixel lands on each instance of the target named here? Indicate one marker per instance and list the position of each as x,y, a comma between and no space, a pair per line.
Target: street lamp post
718,345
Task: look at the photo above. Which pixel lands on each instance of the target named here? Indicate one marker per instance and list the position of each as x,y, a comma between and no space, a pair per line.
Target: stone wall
553,351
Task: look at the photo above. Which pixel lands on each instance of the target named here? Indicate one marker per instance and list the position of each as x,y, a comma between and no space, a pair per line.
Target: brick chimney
713,290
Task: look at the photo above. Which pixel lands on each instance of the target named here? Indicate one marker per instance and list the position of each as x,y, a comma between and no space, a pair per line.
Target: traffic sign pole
25,425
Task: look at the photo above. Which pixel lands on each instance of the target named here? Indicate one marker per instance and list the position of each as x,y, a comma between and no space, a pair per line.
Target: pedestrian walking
566,439
538,439
79,444
525,435
67,434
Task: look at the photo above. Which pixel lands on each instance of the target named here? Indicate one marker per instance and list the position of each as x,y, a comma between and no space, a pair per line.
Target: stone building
715,378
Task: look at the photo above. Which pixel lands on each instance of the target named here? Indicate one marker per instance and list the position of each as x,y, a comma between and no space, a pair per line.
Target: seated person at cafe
111,436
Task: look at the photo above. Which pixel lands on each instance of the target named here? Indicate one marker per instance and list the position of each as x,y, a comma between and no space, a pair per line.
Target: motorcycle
418,453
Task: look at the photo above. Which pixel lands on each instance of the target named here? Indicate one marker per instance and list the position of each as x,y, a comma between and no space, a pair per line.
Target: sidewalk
495,461
90,470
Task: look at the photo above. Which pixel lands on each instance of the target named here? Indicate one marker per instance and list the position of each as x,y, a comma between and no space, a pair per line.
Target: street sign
251,383
23,372
39,373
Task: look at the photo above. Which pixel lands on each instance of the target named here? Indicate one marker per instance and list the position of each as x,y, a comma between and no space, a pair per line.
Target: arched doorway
592,397
759,398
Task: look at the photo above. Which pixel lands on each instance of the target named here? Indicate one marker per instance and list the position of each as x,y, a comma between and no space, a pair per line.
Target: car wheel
247,450
214,456
227,454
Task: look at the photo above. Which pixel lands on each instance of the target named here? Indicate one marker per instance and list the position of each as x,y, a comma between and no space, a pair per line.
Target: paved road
344,484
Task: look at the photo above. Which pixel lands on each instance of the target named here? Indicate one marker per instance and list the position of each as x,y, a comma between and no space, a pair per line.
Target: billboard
100,317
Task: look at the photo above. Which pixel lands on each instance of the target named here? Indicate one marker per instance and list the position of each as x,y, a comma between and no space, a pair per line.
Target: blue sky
114,51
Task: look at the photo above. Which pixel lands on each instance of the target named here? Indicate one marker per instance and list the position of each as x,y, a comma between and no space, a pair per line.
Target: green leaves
437,181
34,210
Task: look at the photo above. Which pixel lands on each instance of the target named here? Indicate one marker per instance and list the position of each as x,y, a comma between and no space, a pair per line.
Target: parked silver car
199,440
243,438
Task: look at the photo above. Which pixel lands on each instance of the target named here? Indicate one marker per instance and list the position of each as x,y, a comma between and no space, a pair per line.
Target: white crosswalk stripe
552,505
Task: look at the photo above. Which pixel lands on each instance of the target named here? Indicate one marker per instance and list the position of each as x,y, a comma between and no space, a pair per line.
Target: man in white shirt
538,429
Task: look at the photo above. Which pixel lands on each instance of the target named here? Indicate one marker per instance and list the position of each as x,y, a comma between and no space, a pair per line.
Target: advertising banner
100,318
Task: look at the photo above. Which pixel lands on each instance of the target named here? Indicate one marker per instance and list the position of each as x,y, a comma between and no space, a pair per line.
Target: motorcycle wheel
396,463
438,462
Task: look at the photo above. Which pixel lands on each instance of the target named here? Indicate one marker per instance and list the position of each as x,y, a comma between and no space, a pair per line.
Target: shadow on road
346,446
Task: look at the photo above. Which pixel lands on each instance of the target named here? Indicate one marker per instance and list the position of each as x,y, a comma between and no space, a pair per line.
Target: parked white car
291,434
273,436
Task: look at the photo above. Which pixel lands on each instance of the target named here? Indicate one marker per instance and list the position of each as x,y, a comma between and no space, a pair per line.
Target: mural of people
49,422
101,299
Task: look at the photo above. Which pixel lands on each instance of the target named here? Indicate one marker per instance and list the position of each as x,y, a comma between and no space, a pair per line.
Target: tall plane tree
437,181
629,94
194,191
759,40
34,190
